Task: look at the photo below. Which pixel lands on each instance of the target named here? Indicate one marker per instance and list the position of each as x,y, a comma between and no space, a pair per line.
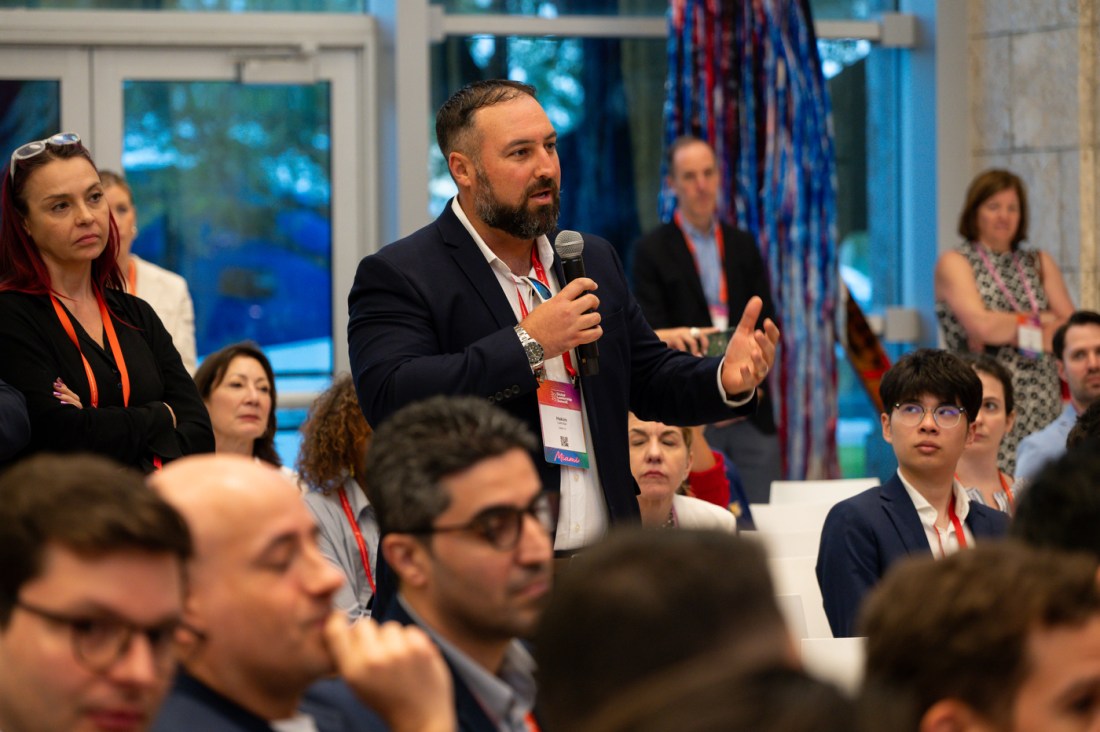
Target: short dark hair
719,694
936,372
679,144
85,503
985,185
426,442
959,627
455,119
1080,317
626,597
983,363
1061,507
210,375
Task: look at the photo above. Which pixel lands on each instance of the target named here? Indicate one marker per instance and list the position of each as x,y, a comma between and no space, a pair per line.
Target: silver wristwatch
532,348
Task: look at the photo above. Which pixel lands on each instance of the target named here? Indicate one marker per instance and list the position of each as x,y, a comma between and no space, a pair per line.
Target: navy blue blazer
670,293
192,705
865,534
471,717
427,317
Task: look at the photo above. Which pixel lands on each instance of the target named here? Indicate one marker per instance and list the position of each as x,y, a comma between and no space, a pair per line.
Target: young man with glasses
931,397
91,594
466,528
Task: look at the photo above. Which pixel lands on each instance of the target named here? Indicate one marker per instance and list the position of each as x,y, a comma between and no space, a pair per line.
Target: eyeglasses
502,526
946,416
98,643
31,149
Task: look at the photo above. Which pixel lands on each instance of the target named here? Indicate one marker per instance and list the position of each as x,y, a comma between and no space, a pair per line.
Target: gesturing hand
750,353
564,321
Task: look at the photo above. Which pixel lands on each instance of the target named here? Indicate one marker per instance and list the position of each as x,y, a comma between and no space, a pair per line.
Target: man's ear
408,557
971,430
886,434
462,169
953,715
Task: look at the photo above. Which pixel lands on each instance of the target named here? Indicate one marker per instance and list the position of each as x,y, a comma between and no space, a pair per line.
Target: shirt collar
545,250
926,511
696,233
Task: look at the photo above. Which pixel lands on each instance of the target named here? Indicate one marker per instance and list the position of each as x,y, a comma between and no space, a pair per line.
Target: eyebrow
91,187
530,141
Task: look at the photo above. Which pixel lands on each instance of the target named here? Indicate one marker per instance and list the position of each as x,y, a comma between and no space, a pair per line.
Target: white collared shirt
941,541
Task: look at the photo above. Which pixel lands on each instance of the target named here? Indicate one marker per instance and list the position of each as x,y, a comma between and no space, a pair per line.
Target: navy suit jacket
428,317
471,717
865,534
191,705
670,293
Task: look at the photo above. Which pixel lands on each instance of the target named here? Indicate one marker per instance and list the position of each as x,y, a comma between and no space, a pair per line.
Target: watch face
534,352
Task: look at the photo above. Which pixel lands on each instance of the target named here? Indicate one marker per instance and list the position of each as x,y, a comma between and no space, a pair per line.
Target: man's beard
517,220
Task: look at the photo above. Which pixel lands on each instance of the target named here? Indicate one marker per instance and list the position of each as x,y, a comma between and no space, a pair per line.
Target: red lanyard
959,535
131,278
532,725
1008,492
1001,283
540,275
112,342
358,536
720,242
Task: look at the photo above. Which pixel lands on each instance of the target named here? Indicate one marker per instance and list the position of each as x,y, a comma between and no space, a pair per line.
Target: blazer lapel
903,514
685,262
466,254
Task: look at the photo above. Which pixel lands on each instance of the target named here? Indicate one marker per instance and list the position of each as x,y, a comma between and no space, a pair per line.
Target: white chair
787,543
818,491
839,660
794,614
792,517
795,576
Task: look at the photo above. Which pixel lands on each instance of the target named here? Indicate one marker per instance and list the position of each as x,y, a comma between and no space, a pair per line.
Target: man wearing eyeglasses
932,398
91,592
259,633
466,528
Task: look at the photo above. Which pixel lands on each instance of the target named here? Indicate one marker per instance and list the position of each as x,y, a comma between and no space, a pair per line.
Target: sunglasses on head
31,149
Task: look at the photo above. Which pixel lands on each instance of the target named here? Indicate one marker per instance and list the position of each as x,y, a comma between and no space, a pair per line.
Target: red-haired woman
96,366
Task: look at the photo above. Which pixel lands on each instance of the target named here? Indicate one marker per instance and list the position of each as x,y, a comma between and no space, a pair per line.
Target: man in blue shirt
1076,345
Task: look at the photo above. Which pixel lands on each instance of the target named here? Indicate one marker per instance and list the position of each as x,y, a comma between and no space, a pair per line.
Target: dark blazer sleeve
15,425
848,564
37,351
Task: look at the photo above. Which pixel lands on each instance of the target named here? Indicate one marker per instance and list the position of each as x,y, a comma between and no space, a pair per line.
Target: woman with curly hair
335,438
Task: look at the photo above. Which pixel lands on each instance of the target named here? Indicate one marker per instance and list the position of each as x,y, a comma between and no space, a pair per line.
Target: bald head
260,588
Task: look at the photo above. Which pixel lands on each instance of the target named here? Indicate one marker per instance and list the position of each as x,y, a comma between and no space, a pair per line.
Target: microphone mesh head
569,244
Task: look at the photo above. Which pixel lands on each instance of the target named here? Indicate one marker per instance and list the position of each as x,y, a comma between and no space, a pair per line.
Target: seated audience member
259,629
932,398
1000,639
331,462
466,529
1061,508
165,291
15,425
660,460
1086,430
238,387
96,366
717,695
643,602
978,470
1076,347
91,592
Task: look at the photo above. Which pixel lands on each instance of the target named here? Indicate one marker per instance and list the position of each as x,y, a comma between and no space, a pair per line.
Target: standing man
1076,347
466,527
689,276
91,592
477,303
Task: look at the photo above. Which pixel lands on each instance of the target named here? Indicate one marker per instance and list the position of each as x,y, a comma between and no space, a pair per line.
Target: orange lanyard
532,725
720,243
1008,492
112,342
131,277
358,536
540,275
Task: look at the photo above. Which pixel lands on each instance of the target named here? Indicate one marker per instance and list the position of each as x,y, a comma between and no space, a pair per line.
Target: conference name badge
1029,336
562,424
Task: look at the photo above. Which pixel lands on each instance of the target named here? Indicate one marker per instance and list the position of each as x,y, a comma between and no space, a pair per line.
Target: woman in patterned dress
997,297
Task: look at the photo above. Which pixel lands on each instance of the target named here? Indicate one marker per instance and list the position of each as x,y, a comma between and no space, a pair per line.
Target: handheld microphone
569,245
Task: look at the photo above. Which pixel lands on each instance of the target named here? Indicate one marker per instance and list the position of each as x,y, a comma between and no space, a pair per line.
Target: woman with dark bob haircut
96,366
238,387
995,296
